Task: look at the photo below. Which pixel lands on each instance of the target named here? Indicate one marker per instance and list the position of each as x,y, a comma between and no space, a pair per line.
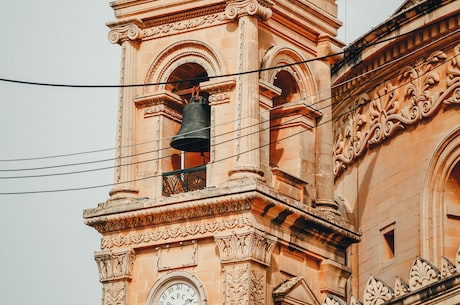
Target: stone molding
251,245
258,8
417,94
114,265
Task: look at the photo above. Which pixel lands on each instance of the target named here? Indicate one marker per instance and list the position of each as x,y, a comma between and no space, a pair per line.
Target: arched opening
289,92
189,161
452,205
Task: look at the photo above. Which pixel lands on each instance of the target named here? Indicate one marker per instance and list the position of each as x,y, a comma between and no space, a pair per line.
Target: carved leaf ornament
418,93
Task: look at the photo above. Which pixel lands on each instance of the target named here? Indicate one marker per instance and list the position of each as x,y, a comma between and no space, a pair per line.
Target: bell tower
223,187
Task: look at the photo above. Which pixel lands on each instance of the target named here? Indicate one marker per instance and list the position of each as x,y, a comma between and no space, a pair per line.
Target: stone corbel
125,30
258,8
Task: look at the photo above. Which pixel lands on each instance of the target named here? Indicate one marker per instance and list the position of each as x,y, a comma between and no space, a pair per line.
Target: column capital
125,30
252,245
114,265
258,8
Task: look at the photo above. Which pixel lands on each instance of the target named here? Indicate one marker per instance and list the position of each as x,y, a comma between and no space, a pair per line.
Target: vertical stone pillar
124,182
324,132
244,257
114,273
247,88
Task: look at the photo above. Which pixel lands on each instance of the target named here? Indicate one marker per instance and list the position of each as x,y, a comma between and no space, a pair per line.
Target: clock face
179,294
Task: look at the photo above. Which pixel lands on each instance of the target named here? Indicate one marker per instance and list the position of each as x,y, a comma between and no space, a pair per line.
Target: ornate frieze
418,93
247,245
258,8
114,265
165,233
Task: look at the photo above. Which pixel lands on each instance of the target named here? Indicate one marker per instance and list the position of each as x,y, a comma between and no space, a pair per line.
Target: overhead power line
222,159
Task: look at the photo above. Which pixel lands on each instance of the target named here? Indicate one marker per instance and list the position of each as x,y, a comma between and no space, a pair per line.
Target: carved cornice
258,8
416,94
125,30
246,245
114,265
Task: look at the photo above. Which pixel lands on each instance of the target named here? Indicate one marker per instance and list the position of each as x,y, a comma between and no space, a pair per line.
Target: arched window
440,204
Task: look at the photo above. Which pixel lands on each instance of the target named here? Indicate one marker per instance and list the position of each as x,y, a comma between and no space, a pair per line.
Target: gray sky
46,254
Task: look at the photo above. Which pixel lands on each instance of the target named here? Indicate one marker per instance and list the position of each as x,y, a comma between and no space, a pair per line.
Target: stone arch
180,53
286,58
444,163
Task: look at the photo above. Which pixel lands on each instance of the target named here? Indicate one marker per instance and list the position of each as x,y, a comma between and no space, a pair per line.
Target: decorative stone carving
377,292
164,233
447,268
355,301
331,299
121,32
422,273
418,93
259,8
243,246
401,287
257,292
114,293
236,285
114,265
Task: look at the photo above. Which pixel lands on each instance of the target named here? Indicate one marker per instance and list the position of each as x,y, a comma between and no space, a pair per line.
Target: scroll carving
418,93
114,266
259,8
257,293
124,32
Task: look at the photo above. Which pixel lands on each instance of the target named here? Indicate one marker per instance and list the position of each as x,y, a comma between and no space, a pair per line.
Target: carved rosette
243,246
419,92
114,265
124,32
258,8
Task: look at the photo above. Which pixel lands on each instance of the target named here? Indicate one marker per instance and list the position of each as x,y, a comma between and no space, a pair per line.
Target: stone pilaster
324,133
244,257
114,273
247,115
126,34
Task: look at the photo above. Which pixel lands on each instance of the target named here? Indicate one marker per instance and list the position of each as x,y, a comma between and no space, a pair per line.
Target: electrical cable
104,168
195,79
304,98
222,159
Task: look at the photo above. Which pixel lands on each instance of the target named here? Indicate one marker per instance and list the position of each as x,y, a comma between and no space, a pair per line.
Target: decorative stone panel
416,94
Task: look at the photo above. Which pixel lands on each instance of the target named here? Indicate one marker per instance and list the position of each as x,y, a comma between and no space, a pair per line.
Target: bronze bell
193,135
